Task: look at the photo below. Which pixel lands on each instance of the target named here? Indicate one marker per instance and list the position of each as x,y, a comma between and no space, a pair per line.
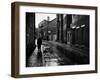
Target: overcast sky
41,16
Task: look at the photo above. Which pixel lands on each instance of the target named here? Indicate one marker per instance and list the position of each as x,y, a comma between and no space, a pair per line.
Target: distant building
48,29
42,23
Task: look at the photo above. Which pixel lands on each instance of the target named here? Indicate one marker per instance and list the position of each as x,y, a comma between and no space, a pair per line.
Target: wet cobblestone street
53,55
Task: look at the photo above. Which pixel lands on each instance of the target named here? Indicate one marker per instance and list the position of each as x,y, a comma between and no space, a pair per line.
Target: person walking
39,55
39,43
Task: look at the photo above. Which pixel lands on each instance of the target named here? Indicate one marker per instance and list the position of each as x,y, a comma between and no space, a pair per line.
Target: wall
5,40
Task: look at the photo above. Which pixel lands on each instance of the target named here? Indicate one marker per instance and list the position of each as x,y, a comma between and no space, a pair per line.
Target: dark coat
39,41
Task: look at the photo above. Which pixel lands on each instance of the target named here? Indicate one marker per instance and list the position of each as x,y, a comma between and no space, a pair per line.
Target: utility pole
48,18
58,25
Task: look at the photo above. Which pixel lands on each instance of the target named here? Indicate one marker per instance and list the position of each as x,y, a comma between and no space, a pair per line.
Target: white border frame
53,69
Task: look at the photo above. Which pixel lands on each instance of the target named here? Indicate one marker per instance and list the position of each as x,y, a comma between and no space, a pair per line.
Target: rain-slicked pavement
53,55
47,57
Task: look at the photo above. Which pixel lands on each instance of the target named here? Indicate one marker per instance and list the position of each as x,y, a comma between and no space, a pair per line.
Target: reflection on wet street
52,54
50,57
47,57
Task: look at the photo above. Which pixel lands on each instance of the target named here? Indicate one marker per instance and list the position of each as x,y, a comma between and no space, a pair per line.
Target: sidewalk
35,60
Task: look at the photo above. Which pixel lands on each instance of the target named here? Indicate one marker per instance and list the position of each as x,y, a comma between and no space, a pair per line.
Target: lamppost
49,33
